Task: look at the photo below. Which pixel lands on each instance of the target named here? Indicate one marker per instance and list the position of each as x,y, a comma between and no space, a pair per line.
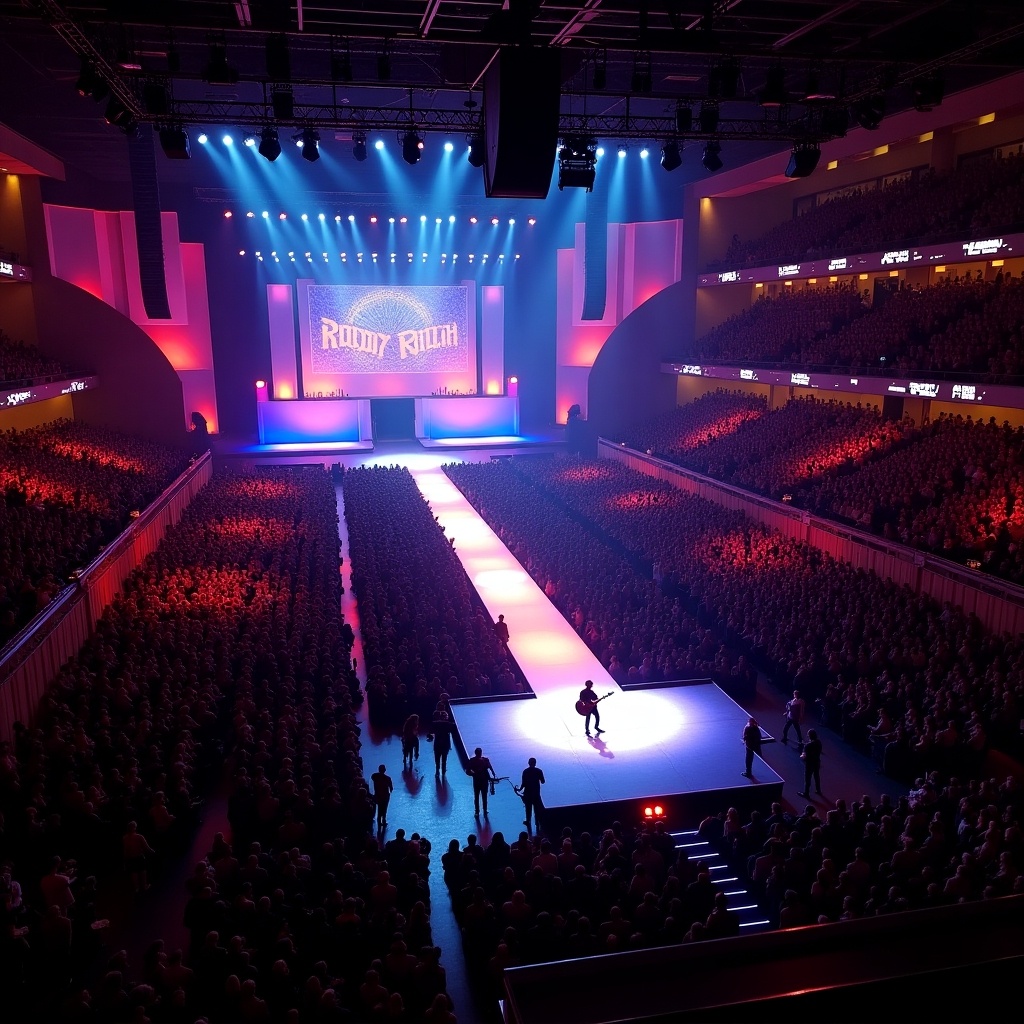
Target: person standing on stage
480,771
533,779
501,630
794,716
752,741
588,697
382,789
442,727
812,763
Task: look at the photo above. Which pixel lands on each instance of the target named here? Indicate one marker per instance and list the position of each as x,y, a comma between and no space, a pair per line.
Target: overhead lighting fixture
341,67
118,115
928,92
868,112
477,150
711,159
684,119
218,71
803,160
155,99
577,162
283,102
600,79
310,141
412,147
270,145
722,80
174,142
708,117
773,94
623,150
90,84
642,79
670,156
359,146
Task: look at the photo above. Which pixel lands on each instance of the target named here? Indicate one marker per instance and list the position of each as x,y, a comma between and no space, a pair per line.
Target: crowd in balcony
980,196
68,489
427,637
22,364
962,323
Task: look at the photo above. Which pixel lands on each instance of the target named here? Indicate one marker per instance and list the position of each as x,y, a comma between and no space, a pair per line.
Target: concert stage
679,746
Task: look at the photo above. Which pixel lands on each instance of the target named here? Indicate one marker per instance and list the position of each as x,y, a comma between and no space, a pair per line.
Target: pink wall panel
281,315
74,255
492,339
174,276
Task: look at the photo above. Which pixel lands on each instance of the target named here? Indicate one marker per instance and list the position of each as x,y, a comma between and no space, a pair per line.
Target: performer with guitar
587,705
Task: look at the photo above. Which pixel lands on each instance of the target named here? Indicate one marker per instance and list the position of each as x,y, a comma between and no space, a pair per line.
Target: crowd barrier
35,655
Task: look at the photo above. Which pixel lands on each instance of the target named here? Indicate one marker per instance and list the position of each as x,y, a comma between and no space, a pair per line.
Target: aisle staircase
752,916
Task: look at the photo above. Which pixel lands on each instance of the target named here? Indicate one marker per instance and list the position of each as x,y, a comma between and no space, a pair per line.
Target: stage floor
679,745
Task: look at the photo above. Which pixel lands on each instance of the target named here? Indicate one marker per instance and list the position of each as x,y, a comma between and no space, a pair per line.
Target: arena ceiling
632,62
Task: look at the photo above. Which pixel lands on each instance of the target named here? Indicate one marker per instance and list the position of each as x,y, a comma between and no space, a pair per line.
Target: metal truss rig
329,117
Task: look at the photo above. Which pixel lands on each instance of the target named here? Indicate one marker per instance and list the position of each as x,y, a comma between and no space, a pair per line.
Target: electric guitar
584,707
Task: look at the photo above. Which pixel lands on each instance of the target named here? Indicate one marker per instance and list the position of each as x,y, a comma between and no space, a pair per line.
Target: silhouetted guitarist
587,705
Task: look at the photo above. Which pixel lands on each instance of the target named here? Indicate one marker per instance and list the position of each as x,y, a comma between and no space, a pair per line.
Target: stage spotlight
227,140
249,141
451,218
477,151
270,145
305,216
803,160
310,145
532,221
119,115
174,142
202,138
494,222
708,118
711,159
653,812
623,149
577,162
868,112
90,84
412,146
449,146
644,153
599,152
670,157
379,144
359,146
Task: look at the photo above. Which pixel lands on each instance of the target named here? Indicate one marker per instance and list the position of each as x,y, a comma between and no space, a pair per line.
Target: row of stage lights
373,257
374,219
268,144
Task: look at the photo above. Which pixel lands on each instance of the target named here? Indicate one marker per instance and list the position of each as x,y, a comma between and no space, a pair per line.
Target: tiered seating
68,489
424,631
780,329
22,364
983,195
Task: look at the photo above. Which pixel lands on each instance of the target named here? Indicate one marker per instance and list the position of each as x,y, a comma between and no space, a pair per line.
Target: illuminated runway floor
675,744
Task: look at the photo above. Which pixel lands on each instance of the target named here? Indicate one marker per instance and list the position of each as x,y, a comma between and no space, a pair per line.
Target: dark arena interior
415,414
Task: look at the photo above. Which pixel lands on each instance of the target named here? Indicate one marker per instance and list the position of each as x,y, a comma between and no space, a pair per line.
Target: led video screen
377,341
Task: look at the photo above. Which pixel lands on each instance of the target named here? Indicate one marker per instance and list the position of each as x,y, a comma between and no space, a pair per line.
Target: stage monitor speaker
522,89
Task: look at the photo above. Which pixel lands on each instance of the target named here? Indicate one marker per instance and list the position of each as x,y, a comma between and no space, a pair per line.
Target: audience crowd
962,324
981,196
869,650
426,635
540,899
226,645
68,489
22,364
953,487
